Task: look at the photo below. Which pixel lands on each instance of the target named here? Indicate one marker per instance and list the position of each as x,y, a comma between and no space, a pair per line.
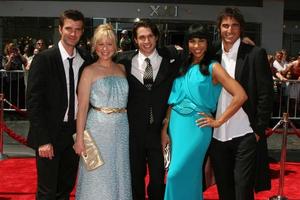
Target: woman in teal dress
189,120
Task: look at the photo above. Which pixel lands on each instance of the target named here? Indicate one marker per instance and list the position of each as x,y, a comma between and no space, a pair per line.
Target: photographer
13,59
14,88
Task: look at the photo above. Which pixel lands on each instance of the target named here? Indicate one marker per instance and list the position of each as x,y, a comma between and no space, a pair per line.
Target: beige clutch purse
167,156
92,159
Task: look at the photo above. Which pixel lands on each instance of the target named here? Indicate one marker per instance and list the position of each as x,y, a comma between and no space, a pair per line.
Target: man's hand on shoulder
179,48
247,40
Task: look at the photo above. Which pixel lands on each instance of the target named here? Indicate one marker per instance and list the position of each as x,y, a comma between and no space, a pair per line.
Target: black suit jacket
47,99
254,74
140,98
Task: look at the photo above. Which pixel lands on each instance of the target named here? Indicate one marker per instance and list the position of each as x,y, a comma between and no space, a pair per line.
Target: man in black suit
238,149
147,105
52,106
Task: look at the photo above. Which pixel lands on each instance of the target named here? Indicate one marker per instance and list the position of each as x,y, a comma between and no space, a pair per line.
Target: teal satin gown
191,93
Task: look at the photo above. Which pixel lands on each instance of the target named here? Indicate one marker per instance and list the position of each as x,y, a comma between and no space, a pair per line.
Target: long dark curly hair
196,31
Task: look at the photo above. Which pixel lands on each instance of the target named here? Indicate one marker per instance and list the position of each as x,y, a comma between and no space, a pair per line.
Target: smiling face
146,40
230,31
197,47
70,32
105,48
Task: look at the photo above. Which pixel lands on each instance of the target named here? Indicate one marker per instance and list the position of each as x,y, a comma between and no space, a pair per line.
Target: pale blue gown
191,93
112,180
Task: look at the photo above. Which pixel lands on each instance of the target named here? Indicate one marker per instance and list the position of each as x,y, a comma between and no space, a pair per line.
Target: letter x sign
154,10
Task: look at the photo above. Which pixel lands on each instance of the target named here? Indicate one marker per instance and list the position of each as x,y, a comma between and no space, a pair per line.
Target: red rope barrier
10,132
24,114
14,135
269,132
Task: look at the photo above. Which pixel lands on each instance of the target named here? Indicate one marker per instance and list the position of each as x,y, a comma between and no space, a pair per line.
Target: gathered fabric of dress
110,181
191,93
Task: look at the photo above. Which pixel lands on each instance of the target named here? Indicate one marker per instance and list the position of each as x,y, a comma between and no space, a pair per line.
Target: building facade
38,19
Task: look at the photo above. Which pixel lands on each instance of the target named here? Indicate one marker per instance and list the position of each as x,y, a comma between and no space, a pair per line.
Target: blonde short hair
101,32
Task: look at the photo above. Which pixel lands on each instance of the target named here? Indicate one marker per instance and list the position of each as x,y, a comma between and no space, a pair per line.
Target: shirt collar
233,50
64,53
151,57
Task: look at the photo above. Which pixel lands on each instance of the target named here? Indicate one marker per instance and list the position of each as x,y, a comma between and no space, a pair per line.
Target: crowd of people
284,67
18,56
13,83
286,75
208,101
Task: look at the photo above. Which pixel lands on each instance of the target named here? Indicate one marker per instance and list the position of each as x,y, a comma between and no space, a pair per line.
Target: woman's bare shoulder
121,66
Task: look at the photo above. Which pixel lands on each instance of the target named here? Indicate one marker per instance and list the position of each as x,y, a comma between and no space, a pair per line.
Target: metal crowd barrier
13,86
12,97
287,94
286,99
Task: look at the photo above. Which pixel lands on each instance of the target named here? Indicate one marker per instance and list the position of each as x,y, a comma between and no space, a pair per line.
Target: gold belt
107,110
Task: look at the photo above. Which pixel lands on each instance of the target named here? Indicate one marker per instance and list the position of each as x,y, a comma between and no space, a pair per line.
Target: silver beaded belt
108,110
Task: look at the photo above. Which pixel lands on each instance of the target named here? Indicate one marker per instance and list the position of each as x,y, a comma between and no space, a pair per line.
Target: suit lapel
240,62
164,68
61,72
162,72
128,66
219,55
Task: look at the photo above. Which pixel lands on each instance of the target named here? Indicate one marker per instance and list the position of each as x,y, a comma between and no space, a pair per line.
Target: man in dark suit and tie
238,149
150,72
52,106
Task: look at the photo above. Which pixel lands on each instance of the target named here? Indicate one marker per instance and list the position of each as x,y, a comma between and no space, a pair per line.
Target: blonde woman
103,86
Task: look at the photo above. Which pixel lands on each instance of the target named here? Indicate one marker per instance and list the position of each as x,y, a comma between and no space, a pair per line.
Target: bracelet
166,120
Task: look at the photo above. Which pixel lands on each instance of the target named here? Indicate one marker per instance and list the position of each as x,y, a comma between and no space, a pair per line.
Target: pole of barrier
2,156
280,195
286,122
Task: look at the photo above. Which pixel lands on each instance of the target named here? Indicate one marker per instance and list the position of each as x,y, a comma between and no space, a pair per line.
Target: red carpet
291,184
18,181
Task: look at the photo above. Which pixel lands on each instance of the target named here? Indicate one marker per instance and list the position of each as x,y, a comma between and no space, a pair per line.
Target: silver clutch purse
92,159
167,156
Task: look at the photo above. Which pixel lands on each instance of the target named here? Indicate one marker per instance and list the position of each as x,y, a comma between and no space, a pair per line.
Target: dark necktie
71,112
148,82
148,75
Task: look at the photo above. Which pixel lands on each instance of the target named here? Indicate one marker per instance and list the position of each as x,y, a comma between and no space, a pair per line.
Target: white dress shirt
77,62
139,65
279,66
239,124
